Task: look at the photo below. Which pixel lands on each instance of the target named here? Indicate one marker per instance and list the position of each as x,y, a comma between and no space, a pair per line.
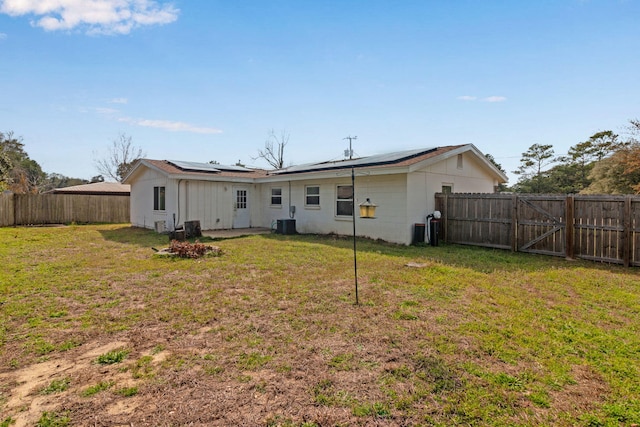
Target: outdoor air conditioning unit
286,226
160,226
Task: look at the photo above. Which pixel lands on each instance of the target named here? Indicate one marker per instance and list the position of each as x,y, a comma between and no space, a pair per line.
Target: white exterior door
241,215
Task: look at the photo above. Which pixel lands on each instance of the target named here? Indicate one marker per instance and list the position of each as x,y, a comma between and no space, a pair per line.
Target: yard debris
188,250
416,264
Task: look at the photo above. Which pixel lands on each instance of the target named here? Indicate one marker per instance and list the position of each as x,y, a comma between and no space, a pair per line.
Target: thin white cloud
106,111
92,16
3,36
119,101
170,126
487,99
495,99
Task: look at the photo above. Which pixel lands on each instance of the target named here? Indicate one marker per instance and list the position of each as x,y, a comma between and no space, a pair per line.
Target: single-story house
319,196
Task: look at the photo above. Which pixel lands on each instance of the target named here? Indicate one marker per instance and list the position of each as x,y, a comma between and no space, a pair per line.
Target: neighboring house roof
96,188
400,159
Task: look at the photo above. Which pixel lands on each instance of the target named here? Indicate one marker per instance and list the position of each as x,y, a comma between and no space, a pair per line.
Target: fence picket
37,209
599,228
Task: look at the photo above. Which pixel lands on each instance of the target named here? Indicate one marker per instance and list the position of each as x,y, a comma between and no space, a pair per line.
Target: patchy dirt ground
25,386
181,378
268,335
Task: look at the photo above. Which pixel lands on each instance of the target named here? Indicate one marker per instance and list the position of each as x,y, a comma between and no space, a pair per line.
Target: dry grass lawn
97,330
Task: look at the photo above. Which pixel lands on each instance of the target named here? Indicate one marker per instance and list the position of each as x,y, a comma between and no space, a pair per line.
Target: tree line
22,175
606,163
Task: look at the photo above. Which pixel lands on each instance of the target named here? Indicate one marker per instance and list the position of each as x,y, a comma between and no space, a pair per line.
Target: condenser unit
160,226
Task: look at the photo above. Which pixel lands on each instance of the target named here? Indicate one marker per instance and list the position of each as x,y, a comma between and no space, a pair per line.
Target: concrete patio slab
235,232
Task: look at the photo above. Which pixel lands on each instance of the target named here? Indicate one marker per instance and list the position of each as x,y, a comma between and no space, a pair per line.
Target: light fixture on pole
367,209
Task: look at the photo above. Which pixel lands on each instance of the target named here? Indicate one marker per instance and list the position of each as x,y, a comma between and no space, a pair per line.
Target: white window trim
273,205
312,206
349,217
164,198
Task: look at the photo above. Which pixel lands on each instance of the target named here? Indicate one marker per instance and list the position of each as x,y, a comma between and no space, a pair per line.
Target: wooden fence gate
598,228
541,225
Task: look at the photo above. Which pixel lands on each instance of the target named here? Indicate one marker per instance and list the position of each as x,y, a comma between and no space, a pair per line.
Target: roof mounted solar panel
194,166
380,159
233,168
206,167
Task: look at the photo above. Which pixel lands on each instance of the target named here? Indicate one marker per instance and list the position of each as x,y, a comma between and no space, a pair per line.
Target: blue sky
207,80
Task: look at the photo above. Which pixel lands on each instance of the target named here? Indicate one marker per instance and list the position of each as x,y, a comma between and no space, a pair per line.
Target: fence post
514,223
627,233
569,228
441,205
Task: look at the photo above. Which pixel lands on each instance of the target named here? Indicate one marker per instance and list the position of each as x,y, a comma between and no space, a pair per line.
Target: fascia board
439,158
463,149
134,171
153,167
139,165
486,161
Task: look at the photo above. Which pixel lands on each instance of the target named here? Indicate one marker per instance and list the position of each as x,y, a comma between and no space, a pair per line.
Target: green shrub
115,356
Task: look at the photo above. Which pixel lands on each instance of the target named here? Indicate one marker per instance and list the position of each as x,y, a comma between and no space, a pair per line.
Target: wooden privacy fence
36,209
598,228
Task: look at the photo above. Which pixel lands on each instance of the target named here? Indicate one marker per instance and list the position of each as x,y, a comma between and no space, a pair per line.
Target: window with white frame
312,195
447,188
158,198
344,200
460,163
241,199
276,197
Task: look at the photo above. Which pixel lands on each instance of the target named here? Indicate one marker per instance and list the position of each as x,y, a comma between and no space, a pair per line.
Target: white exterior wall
257,204
388,192
309,219
142,213
424,183
472,177
207,202
212,203
269,213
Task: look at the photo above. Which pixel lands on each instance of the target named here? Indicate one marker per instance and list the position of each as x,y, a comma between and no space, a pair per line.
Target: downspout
178,203
186,200
292,213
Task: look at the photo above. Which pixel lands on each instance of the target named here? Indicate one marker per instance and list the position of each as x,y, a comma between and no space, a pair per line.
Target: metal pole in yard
353,217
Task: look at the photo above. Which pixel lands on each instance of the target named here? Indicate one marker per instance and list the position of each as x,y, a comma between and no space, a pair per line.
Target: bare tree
634,130
273,152
120,159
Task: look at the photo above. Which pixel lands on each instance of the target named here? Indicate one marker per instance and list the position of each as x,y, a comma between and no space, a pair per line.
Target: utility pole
350,138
